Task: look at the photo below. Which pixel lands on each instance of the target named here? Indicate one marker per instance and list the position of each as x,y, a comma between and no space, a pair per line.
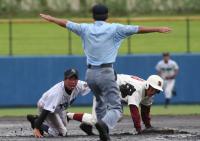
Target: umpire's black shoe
103,131
31,119
87,129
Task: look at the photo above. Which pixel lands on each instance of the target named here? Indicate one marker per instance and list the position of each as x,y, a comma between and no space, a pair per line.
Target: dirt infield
176,128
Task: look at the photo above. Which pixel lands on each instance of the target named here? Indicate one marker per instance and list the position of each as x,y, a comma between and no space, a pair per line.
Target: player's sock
89,119
70,115
75,116
82,117
78,116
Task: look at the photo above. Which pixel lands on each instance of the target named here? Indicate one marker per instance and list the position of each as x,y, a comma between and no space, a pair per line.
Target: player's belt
108,65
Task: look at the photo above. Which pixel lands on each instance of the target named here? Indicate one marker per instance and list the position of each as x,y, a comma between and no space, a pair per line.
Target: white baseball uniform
137,98
139,95
167,70
56,100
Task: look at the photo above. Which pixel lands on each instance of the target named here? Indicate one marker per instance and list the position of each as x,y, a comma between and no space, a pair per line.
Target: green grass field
155,110
50,39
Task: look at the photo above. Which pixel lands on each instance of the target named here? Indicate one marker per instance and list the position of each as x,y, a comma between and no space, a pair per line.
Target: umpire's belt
100,66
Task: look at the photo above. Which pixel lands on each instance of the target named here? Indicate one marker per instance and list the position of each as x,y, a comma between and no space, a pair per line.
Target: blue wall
24,79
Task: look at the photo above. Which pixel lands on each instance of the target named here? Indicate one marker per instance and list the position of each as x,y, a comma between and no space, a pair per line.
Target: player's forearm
135,117
57,21
41,118
145,114
176,72
143,29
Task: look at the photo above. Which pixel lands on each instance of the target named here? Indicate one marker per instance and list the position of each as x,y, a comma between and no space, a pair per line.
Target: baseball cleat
87,129
103,131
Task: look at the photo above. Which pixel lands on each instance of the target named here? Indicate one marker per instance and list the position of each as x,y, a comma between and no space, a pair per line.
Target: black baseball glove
127,89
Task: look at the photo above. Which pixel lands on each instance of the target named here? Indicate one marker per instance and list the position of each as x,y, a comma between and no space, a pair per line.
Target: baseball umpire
52,115
101,41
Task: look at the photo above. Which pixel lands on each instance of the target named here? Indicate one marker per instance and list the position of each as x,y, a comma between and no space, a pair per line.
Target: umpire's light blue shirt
101,40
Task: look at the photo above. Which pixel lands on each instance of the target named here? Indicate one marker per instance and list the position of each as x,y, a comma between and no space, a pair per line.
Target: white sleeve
122,79
51,102
135,99
123,31
84,88
76,27
176,67
158,66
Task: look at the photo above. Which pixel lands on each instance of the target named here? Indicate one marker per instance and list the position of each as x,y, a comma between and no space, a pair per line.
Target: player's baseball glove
127,89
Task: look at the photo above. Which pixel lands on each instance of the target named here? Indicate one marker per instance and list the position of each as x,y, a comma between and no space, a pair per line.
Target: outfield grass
50,39
155,110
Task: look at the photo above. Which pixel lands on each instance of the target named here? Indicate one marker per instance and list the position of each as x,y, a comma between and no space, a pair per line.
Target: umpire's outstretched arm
144,29
57,21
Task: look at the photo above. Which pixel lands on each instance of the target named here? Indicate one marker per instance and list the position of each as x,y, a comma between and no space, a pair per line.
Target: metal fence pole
129,39
69,42
10,38
188,35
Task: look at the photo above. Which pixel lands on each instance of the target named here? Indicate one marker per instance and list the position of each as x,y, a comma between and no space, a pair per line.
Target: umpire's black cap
99,9
70,73
100,12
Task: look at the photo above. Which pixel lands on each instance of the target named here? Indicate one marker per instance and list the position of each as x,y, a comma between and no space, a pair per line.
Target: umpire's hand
46,17
164,29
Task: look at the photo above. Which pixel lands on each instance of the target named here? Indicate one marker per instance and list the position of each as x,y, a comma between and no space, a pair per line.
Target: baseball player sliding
137,93
52,118
168,70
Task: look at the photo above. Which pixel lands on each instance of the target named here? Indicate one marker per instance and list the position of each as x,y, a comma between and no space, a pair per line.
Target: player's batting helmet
156,82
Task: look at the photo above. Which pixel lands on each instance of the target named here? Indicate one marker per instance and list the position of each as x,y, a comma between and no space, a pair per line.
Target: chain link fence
38,37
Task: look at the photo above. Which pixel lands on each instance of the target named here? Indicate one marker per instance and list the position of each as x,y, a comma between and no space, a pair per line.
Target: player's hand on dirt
37,133
149,129
148,126
139,131
46,17
164,29
145,131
